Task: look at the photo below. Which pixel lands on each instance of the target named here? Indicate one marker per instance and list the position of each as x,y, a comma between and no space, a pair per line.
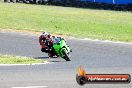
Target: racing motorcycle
60,49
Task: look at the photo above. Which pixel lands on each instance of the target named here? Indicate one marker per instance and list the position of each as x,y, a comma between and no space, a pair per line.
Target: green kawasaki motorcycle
61,49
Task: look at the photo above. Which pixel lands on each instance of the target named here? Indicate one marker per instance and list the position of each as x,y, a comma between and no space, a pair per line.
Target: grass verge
82,23
8,59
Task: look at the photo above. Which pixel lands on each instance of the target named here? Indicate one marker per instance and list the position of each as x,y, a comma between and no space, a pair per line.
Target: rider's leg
43,50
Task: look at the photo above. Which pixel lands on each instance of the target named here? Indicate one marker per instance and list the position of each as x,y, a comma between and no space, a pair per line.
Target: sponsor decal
82,77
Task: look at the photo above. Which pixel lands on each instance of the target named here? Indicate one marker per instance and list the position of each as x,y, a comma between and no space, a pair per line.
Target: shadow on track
41,57
56,61
53,59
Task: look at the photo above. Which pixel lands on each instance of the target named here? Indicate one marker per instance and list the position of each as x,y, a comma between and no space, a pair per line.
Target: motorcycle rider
46,42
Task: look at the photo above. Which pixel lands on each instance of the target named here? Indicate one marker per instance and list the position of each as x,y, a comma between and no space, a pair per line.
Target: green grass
82,23
8,59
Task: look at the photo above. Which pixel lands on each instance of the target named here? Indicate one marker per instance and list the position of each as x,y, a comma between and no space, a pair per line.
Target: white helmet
45,34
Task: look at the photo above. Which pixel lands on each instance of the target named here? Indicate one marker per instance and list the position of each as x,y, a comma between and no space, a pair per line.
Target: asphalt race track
95,57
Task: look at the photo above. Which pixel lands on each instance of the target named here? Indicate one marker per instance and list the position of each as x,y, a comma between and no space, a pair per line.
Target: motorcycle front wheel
66,56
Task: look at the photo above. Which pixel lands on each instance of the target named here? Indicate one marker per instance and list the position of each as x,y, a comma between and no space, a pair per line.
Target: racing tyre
66,56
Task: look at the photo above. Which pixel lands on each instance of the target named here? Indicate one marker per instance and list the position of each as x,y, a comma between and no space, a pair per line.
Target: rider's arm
40,40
